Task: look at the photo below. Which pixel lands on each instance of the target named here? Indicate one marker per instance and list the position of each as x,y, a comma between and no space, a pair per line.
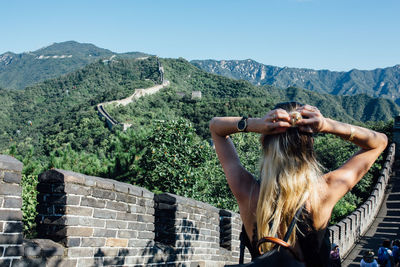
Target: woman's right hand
274,122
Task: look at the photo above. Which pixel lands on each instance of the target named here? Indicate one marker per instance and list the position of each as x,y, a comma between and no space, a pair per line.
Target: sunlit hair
289,176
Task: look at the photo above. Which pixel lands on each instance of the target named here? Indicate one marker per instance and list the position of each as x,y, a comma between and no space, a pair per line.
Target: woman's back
290,174
312,246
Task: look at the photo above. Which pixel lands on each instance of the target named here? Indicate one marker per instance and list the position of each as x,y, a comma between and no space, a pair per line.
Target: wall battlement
92,221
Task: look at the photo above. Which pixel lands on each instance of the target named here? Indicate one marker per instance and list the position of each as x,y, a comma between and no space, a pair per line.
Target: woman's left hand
312,120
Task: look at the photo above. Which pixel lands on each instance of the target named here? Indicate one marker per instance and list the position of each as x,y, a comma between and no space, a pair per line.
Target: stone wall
10,210
347,231
105,222
91,221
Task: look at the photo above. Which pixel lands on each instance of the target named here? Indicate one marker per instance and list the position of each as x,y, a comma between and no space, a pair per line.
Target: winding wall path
386,224
125,101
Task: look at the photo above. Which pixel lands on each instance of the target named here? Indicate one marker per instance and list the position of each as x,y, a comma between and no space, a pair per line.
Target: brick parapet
96,219
11,226
348,230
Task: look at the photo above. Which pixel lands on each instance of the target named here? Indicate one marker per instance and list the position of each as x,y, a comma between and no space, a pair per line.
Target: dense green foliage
54,124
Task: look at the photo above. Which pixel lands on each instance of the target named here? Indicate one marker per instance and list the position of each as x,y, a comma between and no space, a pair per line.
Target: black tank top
314,244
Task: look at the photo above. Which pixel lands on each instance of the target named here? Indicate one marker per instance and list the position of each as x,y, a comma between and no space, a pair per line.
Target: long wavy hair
290,174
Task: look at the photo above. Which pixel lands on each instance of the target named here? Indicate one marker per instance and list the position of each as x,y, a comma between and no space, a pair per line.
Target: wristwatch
242,124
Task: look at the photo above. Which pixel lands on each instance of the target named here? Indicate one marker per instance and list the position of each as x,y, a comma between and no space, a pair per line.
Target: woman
368,259
291,178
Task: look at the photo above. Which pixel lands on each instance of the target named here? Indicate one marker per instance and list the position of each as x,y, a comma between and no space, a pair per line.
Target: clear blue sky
318,34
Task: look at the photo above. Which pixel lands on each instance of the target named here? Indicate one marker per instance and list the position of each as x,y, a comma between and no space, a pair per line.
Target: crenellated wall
92,221
105,222
347,231
10,210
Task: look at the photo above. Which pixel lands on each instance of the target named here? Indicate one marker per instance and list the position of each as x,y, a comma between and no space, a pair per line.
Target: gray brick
113,205
104,184
104,214
12,177
129,251
57,262
145,202
1,201
77,189
73,177
150,227
93,242
106,252
145,218
14,251
147,194
11,239
135,190
10,189
1,228
116,224
10,215
10,163
137,226
72,242
137,243
80,252
127,234
93,202
100,193
84,262
1,252
82,211
125,198
123,216
14,202
13,227
121,187
5,262
146,235
150,211
86,221
132,209
99,232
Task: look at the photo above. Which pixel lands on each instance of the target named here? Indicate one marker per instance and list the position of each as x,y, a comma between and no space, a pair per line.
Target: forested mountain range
20,70
377,83
55,105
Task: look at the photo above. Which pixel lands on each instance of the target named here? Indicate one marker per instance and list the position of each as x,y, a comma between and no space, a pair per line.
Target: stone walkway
385,226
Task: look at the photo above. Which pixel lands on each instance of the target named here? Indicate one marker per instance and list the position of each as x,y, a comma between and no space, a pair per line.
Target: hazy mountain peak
20,70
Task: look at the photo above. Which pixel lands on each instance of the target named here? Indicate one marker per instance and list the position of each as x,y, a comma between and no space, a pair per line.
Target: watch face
241,125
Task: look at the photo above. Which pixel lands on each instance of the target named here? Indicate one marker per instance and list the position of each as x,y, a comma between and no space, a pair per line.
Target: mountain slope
51,107
20,70
377,83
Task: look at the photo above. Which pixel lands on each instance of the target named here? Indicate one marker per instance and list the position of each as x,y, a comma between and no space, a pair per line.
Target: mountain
376,83
58,111
20,70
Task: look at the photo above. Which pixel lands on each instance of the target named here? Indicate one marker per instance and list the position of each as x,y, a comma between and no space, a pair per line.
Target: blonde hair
290,174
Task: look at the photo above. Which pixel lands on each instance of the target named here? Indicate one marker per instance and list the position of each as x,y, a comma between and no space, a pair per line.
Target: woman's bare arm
238,178
371,144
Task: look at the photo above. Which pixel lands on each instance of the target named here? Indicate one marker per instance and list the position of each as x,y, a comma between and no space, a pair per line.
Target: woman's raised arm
372,144
239,179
